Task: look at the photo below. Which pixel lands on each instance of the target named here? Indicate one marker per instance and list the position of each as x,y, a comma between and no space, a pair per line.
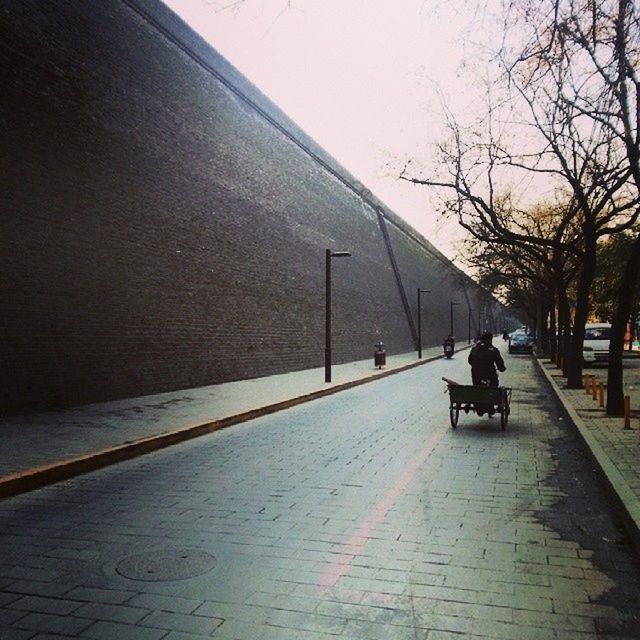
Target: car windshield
599,333
520,338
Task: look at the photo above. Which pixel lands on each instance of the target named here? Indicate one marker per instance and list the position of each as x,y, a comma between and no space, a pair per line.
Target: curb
37,477
618,488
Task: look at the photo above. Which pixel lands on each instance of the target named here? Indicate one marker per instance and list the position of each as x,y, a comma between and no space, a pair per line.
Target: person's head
486,337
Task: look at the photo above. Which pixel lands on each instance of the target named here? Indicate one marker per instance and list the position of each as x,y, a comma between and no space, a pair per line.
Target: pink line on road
358,539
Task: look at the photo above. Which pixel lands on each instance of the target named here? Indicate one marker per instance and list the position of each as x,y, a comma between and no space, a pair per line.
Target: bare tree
598,43
235,5
546,94
534,278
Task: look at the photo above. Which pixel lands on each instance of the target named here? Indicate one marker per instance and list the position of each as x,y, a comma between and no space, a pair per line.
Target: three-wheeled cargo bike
476,398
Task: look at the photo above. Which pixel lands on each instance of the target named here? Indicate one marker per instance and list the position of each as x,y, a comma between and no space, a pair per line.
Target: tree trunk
545,341
553,329
624,307
587,273
538,329
564,328
632,327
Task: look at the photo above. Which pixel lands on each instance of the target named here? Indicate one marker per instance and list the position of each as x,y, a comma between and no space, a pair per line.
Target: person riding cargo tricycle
484,395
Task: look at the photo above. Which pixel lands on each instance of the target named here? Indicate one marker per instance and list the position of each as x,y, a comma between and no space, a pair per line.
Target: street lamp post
419,321
327,335
451,316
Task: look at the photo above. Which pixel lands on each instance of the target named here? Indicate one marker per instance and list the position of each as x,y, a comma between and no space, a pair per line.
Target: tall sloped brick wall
164,225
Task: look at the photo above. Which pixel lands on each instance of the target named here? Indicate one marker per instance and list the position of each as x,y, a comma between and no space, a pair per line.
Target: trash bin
379,355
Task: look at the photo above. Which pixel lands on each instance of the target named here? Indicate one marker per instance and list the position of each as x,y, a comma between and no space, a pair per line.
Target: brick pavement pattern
36,443
359,515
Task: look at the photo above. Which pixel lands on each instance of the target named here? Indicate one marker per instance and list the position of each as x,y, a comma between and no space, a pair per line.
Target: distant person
449,346
484,360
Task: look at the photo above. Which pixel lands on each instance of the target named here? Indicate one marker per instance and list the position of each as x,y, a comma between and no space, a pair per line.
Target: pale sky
362,77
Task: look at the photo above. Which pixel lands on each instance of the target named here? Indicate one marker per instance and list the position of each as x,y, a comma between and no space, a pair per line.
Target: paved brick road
360,515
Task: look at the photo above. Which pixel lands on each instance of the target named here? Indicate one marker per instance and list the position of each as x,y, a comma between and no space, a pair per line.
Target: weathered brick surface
158,232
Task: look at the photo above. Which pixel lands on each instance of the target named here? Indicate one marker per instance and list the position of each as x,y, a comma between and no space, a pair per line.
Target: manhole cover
170,564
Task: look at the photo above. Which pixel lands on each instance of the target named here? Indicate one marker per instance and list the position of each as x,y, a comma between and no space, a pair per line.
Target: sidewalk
614,449
42,448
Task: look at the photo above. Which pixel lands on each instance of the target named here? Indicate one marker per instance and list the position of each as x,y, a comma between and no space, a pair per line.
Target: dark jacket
484,359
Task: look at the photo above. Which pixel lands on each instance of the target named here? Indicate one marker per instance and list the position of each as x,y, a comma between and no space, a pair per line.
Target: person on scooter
448,345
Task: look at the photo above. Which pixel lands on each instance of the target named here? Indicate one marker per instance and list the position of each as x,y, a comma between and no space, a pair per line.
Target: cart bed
471,397
472,393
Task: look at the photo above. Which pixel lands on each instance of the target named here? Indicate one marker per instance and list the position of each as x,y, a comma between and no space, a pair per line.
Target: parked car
596,343
520,343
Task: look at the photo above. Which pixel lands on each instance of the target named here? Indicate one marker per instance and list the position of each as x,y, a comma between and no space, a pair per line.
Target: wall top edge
191,43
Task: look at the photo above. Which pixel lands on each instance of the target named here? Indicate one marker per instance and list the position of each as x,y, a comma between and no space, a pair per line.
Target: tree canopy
561,110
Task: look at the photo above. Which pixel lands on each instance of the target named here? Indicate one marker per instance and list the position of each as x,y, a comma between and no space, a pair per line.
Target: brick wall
164,225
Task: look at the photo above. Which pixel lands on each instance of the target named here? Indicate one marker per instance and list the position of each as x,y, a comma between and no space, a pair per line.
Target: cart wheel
504,417
504,410
454,413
